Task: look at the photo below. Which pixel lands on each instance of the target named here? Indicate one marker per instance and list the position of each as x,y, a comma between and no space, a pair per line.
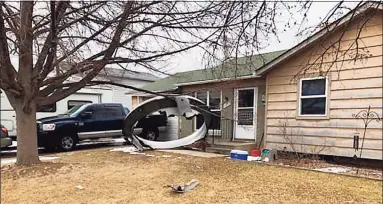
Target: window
112,111
144,98
48,108
245,106
213,100
202,95
96,110
215,106
313,97
73,103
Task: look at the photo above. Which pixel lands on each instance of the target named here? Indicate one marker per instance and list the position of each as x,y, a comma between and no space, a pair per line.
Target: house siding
352,88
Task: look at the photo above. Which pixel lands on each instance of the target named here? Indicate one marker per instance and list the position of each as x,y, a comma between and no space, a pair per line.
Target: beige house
303,99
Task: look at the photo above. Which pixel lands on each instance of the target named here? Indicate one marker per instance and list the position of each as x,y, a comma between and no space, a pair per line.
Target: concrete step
237,146
218,150
226,148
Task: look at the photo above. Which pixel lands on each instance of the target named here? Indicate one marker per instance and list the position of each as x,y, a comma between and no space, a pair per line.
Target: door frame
235,111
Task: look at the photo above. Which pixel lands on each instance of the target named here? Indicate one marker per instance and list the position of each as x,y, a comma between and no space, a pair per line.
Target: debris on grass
129,149
334,169
187,187
251,158
166,156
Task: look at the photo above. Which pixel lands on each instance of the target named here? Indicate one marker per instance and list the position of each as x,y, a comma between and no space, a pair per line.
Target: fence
221,129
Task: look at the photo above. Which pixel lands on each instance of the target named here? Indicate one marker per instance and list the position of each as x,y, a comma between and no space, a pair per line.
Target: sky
192,59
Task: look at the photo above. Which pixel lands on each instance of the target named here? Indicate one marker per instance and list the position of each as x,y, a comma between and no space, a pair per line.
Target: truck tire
67,143
150,134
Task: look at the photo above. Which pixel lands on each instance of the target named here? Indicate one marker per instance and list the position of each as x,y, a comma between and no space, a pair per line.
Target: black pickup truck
93,121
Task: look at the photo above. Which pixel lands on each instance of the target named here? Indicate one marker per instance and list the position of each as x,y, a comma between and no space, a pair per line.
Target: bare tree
57,40
296,143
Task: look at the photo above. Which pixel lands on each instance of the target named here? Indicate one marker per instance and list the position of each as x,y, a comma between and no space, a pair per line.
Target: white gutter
315,37
141,93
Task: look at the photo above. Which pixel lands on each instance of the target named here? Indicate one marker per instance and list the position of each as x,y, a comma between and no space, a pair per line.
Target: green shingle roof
246,66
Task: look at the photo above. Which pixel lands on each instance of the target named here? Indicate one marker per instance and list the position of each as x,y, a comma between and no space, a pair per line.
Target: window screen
215,100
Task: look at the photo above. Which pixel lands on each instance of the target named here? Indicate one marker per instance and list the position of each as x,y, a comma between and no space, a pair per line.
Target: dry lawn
117,177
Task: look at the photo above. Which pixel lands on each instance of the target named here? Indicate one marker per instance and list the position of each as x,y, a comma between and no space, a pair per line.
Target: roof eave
217,80
139,93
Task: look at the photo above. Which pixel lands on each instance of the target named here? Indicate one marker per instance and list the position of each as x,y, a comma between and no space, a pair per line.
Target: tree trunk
27,152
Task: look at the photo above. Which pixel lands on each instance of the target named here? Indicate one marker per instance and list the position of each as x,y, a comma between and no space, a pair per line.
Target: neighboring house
126,77
94,94
295,102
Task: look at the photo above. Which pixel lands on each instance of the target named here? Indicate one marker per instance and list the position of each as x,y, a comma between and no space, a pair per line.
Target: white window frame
208,104
300,97
208,99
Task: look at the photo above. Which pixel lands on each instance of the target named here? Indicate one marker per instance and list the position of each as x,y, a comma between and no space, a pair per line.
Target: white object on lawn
251,158
166,156
333,169
129,149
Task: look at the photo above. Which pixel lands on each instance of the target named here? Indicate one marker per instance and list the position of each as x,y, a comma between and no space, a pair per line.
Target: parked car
91,121
5,140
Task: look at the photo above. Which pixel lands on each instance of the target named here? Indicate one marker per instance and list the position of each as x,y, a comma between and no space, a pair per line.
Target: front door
245,114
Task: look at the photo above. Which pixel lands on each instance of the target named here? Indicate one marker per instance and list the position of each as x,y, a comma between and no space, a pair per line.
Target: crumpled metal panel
186,106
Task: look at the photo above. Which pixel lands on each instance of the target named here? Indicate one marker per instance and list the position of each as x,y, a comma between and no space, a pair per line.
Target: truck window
112,111
97,111
48,108
127,111
72,103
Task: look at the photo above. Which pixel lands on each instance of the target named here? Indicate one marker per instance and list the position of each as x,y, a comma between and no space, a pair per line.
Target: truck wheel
151,134
67,143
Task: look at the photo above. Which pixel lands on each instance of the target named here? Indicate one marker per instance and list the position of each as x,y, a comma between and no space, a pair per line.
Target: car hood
55,119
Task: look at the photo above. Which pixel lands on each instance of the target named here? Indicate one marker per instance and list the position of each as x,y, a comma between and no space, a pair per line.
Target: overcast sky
192,59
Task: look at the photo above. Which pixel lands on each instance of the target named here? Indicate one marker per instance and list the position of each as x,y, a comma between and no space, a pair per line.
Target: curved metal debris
186,106
187,187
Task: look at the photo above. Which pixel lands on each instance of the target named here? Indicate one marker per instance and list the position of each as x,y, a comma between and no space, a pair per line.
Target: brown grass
117,177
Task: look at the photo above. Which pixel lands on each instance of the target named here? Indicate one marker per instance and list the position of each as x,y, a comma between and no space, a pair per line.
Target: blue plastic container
239,154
